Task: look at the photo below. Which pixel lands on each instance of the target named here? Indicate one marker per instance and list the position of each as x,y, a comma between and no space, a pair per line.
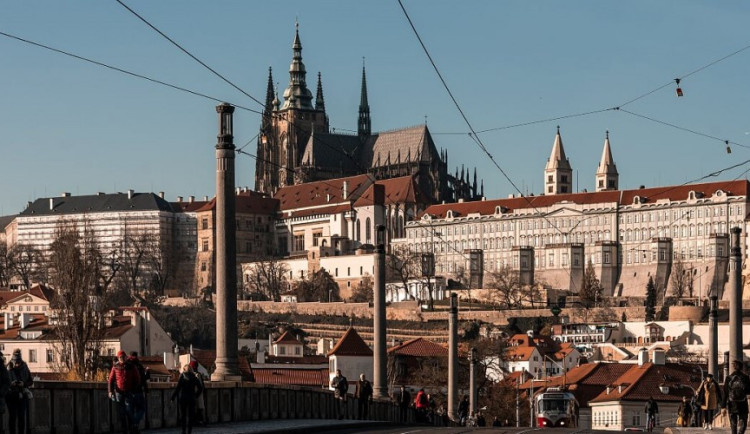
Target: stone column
380,358
453,358
713,336
227,368
735,296
473,381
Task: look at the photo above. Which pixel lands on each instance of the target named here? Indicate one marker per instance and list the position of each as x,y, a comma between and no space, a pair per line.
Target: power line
523,124
121,70
698,133
187,52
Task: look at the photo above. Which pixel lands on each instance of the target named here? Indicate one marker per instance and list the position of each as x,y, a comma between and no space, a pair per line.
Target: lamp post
380,388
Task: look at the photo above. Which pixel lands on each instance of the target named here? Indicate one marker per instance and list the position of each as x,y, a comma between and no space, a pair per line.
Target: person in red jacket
124,383
421,403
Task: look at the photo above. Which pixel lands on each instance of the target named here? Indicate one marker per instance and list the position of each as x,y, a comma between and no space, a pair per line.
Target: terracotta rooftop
419,347
519,353
624,197
322,193
291,376
640,383
351,344
287,338
247,202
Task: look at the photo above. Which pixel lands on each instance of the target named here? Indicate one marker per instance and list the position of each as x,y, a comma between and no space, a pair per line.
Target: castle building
628,236
296,144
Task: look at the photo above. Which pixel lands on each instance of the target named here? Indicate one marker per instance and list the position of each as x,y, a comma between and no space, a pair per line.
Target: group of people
363,393
15,381
127,385
701,409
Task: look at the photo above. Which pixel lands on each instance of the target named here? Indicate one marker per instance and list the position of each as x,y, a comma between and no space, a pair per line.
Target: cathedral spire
363,126
558,175
297,95
607,177
474,185
319,101
268,109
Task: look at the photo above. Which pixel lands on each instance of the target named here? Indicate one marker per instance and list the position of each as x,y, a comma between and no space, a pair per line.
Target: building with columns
297,145
628,235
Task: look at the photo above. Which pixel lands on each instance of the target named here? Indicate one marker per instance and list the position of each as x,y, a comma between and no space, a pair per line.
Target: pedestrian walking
421,404
188,389
404,401
139,395
340,388
124,383
709,395
200,405
684,412
696,406
19,395
652,409
364,396
736,389
463,410
4,387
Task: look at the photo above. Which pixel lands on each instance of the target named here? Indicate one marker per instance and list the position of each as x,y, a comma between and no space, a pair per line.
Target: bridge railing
84,407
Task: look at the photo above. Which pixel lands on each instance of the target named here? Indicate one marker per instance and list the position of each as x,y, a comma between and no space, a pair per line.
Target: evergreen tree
650,300
591,290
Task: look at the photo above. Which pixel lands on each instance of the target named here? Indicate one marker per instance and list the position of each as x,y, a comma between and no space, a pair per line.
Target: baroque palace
627,235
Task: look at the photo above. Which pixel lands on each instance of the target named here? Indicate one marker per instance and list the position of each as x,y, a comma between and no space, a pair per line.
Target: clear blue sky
69,126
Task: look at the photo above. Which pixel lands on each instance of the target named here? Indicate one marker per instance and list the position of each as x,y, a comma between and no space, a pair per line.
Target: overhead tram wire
473,133
121,70
188,53
226,80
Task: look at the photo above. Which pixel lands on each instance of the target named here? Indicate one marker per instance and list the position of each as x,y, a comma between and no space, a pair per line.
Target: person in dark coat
340,386
736,389
188,389
403,399
685,412
4,387
19,395
139,395
363,395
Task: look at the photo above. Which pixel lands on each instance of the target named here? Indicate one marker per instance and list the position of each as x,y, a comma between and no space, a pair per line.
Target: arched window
368,231
357,230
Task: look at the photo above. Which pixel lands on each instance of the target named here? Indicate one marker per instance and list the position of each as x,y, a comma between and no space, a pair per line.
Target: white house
416,289
352,356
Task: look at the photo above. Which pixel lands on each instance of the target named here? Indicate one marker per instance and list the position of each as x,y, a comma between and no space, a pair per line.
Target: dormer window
637,200
718,193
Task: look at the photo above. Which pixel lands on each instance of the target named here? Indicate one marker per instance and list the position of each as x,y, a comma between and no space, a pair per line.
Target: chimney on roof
65,194
28,204
461,200
511,196
659,357
642,357
345,190
25,320
101,193
130,193
609,389
205,198
641,187
179,199
191,199
619,388
328,197
238,190
51,203
161,194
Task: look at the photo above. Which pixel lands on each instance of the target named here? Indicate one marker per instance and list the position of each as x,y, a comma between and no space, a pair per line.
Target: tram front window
553,405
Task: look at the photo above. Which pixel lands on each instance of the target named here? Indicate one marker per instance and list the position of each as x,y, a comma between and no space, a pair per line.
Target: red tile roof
188,206
287,338
624,197
321,193
304,360
640,383
351,344
291,376
519,353
248,202
419,347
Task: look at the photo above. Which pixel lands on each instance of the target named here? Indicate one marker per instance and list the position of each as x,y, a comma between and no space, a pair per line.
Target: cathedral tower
606,174
558,175
363,124
285,132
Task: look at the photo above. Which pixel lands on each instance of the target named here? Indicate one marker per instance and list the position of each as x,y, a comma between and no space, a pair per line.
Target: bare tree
75,266
6,269
505,286
159,264
26,262
266,279
680,278
591,291
405,266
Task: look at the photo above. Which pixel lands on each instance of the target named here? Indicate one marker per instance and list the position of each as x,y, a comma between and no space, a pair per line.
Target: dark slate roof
5,221
329,151
97,203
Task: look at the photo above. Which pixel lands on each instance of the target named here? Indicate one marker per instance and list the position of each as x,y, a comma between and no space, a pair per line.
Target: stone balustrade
84,407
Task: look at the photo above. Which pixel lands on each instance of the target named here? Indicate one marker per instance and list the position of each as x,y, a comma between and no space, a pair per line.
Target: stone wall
67,407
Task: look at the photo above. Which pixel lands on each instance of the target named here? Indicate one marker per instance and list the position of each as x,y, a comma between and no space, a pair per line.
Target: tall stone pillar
227,368
713,336
473,381
735,296
380,358
453,358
